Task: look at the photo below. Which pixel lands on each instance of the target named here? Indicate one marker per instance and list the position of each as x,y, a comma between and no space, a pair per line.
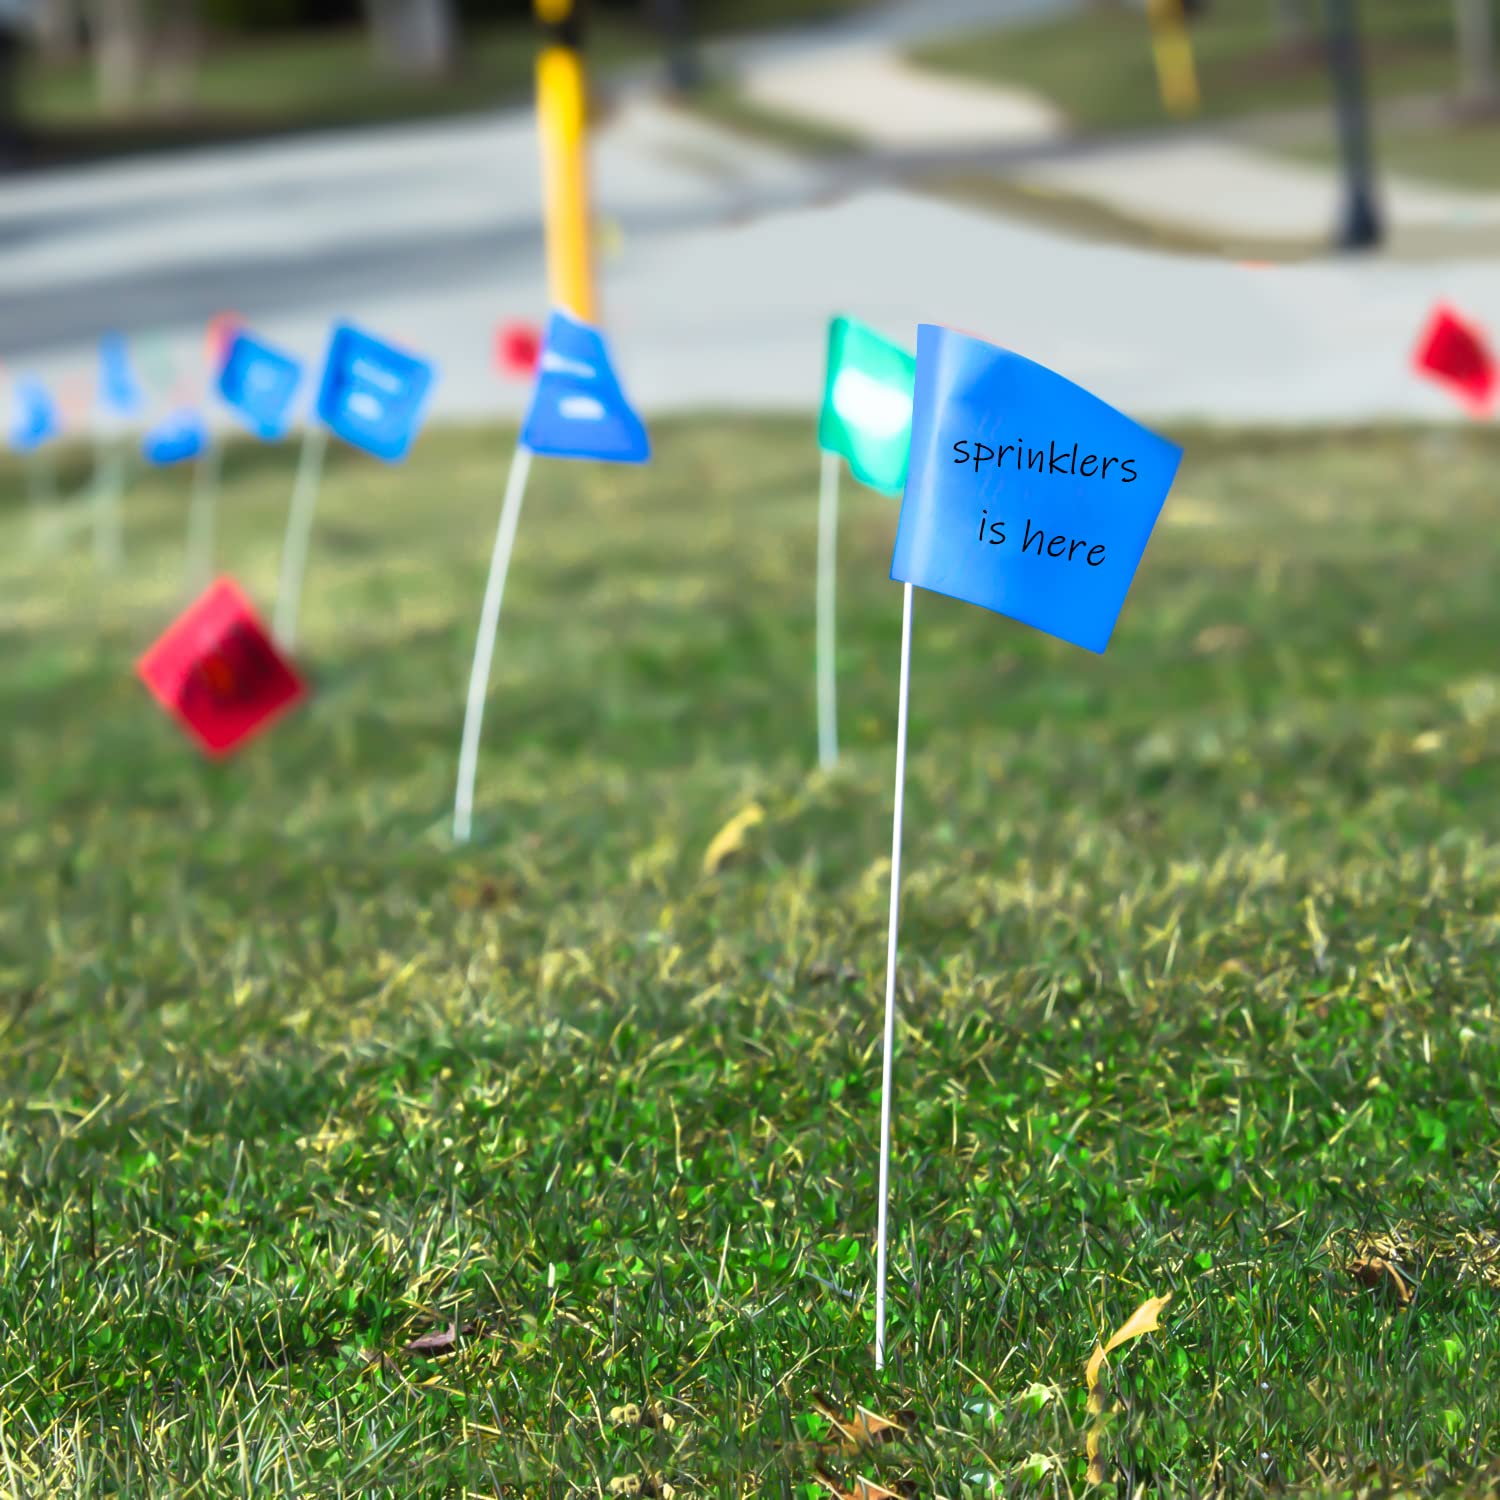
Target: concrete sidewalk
1199,181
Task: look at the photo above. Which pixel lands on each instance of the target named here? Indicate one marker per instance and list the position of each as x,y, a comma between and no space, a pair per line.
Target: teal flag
866,416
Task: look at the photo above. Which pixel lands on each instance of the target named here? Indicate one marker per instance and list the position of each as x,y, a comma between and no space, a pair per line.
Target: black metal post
1361,227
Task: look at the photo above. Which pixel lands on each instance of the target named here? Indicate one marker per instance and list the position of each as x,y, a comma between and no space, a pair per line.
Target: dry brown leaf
1142,1320
1378,1275
730,839
439,1341
1095,1473
865,1428
1214,638
864,1489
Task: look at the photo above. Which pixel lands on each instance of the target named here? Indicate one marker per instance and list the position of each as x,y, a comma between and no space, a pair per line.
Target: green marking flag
866,414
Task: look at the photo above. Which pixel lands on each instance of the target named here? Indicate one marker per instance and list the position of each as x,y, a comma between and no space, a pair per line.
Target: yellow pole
1175,74
561,108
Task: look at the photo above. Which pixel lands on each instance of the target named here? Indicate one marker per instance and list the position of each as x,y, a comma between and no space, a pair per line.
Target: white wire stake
881,1236
109,487
299,518
828,536
41,494
203,508
484,646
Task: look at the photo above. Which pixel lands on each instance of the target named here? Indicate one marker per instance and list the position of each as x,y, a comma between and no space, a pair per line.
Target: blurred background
294,160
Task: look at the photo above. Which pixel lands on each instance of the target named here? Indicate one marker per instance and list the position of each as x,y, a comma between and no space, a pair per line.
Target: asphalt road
729,261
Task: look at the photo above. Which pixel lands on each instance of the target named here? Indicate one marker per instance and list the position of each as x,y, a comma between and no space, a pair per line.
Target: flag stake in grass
968,532
372,395
866,419
36,423
120,398
41,494
203,506
299,519
484,645
578,410
893,929
828,540
107,496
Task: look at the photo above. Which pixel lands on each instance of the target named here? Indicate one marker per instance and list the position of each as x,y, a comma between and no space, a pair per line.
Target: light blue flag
372,394
578,408
259,383
1025,494
176,439
118,390
36,416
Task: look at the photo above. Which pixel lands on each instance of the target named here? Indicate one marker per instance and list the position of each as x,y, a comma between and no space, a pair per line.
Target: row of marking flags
217,670
371,394
873,389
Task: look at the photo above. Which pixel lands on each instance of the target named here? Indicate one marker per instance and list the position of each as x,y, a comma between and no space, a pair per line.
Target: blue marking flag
181,436
1025,494
118,390
36,417
372,394
258,384
578,408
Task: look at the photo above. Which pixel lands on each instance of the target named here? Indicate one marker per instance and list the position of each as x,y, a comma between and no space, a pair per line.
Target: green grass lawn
1098,67
1198,997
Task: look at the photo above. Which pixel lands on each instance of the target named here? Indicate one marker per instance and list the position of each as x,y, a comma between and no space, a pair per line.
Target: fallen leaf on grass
439,1341
1214,638
1142,1320
1145,1319
864,1489
1377,1275
865,1428
730,839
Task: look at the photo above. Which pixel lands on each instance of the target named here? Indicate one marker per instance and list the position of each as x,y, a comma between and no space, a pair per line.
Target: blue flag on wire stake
578,408
372,394
258,383
1025,494
36,417
177,438
118,389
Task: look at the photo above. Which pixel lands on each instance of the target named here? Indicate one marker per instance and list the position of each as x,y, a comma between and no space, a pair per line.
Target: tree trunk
180,46
119,41
1474,22
10,123
59,29
415,37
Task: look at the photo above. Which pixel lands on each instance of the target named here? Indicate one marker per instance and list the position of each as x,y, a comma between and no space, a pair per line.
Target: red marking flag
518,346
217,672
222,330
1454,353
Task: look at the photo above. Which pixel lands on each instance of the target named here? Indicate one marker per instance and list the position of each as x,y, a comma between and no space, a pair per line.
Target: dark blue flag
181,436
578,409
372,394
36,416
259,383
